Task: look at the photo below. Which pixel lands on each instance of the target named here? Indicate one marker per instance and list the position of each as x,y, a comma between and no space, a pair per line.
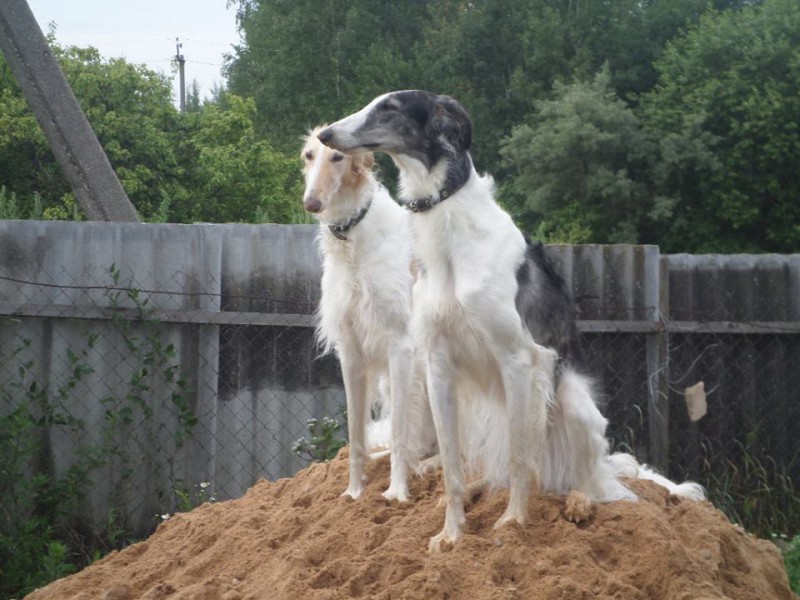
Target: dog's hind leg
445,417
355,386
528,393
577,457
400,365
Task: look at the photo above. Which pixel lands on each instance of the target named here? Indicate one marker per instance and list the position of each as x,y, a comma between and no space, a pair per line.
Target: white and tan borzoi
491,319
364,311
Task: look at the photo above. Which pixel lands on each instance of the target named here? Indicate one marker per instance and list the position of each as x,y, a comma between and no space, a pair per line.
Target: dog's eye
387,105
337,157
309,155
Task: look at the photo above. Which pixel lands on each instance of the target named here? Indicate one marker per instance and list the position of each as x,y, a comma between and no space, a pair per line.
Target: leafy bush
791,558
41,506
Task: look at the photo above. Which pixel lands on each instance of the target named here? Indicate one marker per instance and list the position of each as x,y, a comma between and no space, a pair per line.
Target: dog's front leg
445,418
400,363
355,388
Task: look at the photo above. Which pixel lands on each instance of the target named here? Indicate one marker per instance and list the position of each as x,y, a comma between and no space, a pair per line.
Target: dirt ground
297,539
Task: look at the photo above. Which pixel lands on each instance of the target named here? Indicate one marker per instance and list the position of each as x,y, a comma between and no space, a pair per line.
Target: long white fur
491,386
483,366
365,308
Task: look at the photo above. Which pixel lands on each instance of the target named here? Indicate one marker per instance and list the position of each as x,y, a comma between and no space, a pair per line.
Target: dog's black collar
339,230
457,176
428,202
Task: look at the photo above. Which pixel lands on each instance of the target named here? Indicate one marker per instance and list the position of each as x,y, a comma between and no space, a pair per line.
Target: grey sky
144,32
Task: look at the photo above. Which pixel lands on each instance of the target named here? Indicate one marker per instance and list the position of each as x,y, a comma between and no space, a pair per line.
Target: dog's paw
399,493
443,541
511,516
578,507
353,492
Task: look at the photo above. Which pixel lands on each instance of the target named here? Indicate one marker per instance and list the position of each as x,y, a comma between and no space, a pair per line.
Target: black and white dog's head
413,123
427,135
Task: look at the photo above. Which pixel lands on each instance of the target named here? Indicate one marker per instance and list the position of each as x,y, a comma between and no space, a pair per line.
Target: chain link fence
139,400
128,394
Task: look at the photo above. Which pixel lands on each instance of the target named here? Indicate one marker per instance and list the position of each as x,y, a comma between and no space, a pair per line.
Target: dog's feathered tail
576,453
626,465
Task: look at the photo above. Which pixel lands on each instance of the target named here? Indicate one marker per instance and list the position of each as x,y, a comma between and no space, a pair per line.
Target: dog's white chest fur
467,285
366,282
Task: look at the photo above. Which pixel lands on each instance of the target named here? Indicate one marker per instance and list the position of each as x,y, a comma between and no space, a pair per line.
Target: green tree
725,111
627,35
206,164
130,109
27,165
131,112
231,174
306,62
579,167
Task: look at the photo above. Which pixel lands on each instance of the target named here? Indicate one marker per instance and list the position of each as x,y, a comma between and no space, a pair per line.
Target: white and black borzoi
491,318
364,311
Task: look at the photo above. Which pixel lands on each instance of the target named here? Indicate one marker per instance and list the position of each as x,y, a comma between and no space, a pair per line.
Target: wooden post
658,370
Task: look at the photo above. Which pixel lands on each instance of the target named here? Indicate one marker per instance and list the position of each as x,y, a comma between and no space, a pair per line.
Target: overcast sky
144,32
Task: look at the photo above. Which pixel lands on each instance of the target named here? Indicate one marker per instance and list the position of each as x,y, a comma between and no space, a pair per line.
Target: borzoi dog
364,311
491,318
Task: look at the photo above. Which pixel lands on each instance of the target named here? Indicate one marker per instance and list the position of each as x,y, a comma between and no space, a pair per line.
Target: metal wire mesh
140,390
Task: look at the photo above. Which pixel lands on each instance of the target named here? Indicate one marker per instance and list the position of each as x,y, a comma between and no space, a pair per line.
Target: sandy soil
297,539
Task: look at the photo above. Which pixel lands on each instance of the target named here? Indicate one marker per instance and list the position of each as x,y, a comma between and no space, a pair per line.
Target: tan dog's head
330,175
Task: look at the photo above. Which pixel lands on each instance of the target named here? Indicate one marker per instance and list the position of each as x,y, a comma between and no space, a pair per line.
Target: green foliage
706,162
235,175
579,167
494,76
31,559
34,503
130,109
753,489
203,165
158,370
496,56
42,505
305,62
189,498
791,558
323,442
726,109
14,207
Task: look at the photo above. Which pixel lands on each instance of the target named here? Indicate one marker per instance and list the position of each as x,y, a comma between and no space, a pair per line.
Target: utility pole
71,138
181,74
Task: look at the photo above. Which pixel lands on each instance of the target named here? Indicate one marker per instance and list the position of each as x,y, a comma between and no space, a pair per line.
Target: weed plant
42,533
324,439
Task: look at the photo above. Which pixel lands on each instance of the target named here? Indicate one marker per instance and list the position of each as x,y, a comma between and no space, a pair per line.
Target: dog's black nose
312,204
325,135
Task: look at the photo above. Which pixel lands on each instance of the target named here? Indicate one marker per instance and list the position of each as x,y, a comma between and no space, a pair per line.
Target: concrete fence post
68,132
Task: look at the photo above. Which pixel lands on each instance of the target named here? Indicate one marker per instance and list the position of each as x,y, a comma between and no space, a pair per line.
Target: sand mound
297,539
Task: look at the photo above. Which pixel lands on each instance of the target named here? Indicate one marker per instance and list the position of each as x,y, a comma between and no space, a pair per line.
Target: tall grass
13,207
754,490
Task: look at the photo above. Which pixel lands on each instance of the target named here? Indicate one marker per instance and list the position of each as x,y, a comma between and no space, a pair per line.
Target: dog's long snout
326,135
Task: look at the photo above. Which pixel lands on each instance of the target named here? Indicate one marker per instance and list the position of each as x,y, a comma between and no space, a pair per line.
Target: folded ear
363,161
451,121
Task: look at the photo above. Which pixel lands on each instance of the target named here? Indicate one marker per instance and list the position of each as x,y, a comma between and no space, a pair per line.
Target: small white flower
165,516
204,485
